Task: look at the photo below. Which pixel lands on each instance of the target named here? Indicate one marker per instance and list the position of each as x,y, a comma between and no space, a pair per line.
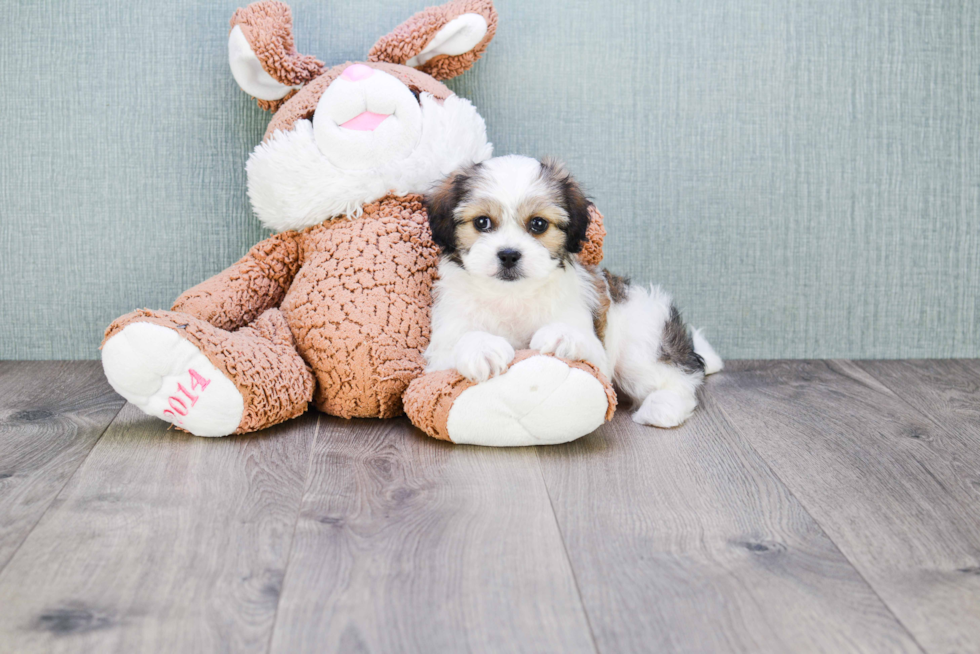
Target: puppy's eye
482,224
538,225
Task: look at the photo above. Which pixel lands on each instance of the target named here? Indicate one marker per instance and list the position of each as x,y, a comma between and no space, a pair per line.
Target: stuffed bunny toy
334,308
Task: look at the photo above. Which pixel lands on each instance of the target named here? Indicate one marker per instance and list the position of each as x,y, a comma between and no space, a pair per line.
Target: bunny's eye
416,93
482,224
538,225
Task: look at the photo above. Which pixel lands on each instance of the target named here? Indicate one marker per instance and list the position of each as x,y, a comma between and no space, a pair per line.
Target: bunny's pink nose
357,72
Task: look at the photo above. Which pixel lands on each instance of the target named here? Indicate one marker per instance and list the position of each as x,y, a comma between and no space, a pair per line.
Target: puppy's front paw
480,356
569,343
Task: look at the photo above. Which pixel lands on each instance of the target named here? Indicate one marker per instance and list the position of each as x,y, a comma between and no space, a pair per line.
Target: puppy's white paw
567,342
480,356
167,377
665,408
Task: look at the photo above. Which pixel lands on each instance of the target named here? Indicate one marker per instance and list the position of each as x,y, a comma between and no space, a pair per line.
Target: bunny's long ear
442,41
263,56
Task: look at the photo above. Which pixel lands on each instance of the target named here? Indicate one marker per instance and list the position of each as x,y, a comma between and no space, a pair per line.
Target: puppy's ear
573,201
440,204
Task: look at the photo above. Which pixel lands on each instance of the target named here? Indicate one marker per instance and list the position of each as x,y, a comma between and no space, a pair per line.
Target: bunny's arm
258,281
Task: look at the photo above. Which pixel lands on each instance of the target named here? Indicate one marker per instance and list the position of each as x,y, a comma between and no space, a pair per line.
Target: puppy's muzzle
508,258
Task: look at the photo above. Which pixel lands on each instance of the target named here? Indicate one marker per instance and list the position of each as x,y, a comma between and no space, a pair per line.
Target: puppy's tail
712,362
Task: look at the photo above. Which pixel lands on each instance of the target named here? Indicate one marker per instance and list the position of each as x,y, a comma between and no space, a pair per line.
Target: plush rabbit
334,308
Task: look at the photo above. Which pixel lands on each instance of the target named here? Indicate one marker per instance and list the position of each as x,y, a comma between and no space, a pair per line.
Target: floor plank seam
803,505
904,400
681,543
568,558
55,496
292,537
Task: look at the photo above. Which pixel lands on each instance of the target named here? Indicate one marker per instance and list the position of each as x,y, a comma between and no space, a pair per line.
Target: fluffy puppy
510,229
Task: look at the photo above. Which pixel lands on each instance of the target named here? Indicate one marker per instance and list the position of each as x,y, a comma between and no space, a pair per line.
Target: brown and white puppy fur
510,229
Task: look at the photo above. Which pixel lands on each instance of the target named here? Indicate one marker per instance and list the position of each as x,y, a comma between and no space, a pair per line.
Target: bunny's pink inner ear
263,56
442,41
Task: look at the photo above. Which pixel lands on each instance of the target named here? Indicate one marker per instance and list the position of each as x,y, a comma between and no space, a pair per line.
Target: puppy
509,278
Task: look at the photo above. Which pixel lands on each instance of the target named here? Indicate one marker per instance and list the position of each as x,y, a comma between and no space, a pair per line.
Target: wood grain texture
948,391
51,415
895,490
683,540
807,506
407,544
161,542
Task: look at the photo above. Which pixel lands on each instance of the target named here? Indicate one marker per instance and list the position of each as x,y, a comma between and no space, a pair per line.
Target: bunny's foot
167,377
539,400
206,380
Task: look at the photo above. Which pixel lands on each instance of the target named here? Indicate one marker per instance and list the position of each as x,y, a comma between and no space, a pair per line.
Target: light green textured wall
804,175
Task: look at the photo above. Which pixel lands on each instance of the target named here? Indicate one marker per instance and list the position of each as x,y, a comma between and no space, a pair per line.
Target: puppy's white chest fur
513,310
510,229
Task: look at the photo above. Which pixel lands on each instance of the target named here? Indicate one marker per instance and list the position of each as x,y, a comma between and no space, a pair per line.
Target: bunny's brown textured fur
337,313
409,38
268,26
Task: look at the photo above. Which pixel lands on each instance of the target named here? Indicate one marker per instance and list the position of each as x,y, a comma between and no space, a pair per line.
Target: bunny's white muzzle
366,118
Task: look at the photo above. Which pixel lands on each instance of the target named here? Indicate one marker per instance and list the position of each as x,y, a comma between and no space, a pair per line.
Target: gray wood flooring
808,506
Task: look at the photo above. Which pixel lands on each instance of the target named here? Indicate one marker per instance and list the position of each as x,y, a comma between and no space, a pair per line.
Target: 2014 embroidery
178,407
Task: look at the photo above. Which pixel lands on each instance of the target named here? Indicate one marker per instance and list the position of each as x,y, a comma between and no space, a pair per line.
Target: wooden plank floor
808,506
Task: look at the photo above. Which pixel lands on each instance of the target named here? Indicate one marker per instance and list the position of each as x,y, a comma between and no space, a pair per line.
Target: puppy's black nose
508,258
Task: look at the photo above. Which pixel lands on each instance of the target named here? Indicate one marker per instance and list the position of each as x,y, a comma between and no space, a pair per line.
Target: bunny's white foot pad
538,401
168,377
